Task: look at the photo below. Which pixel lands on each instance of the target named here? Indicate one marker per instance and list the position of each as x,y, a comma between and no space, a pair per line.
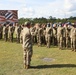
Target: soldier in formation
60,36
11,32
55,34
32,30
73,37
5,32
49,33
18,32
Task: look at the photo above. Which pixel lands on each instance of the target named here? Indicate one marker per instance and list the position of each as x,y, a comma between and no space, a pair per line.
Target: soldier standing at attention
39,35
5,32
10,32
73,37
18,32
32,30
48,35
60,36
27,45
55,34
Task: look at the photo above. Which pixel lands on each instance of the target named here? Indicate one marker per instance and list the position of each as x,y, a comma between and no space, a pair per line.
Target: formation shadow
54,66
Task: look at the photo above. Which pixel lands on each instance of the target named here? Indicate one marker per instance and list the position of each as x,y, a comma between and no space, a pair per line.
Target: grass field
11,60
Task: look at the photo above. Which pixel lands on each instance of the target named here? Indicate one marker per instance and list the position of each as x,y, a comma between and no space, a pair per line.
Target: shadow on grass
54,66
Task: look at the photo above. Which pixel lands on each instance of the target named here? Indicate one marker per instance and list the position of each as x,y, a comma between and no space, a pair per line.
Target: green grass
11,60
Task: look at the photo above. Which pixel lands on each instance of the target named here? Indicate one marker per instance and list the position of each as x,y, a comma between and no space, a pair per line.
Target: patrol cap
26,23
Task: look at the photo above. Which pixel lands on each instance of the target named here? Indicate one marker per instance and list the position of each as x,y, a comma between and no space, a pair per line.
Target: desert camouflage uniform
27,46
44,35
55,36
39,36
49,33
60,36
18,31
10,33
21,35
5,33
67,34
32,30
73,38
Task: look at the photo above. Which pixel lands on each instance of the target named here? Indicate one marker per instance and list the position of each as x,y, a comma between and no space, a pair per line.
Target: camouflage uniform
21,36
67,34
73,38
39,36
44,35
10,33
60,36
32,30
49,33
55,35
18,31
64,37
5,32
27,46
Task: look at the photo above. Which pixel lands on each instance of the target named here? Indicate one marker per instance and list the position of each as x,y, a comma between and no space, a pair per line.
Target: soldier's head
54,25
48,24
31,24
73,24
39,24
27,24
10,24
60,25
66,25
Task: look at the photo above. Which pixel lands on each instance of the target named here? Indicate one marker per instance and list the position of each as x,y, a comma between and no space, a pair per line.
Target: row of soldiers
47,34
57,35
9,31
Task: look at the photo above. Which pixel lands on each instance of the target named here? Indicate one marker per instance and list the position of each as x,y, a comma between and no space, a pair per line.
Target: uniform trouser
40,40
37,39
18,38
1,35
54,40
48,41
64,41
67,41
27,56
6,36
21,39
11,37
60,41
73,43
33,39
44,40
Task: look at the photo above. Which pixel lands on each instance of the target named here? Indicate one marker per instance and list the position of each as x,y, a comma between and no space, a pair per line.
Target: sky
40,8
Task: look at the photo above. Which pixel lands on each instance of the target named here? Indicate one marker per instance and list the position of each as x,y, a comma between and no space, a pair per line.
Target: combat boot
27,66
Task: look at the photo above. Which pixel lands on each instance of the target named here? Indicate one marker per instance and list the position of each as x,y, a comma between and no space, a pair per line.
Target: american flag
8,15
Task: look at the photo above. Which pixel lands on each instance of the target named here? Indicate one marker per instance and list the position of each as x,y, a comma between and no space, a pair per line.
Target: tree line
47,20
